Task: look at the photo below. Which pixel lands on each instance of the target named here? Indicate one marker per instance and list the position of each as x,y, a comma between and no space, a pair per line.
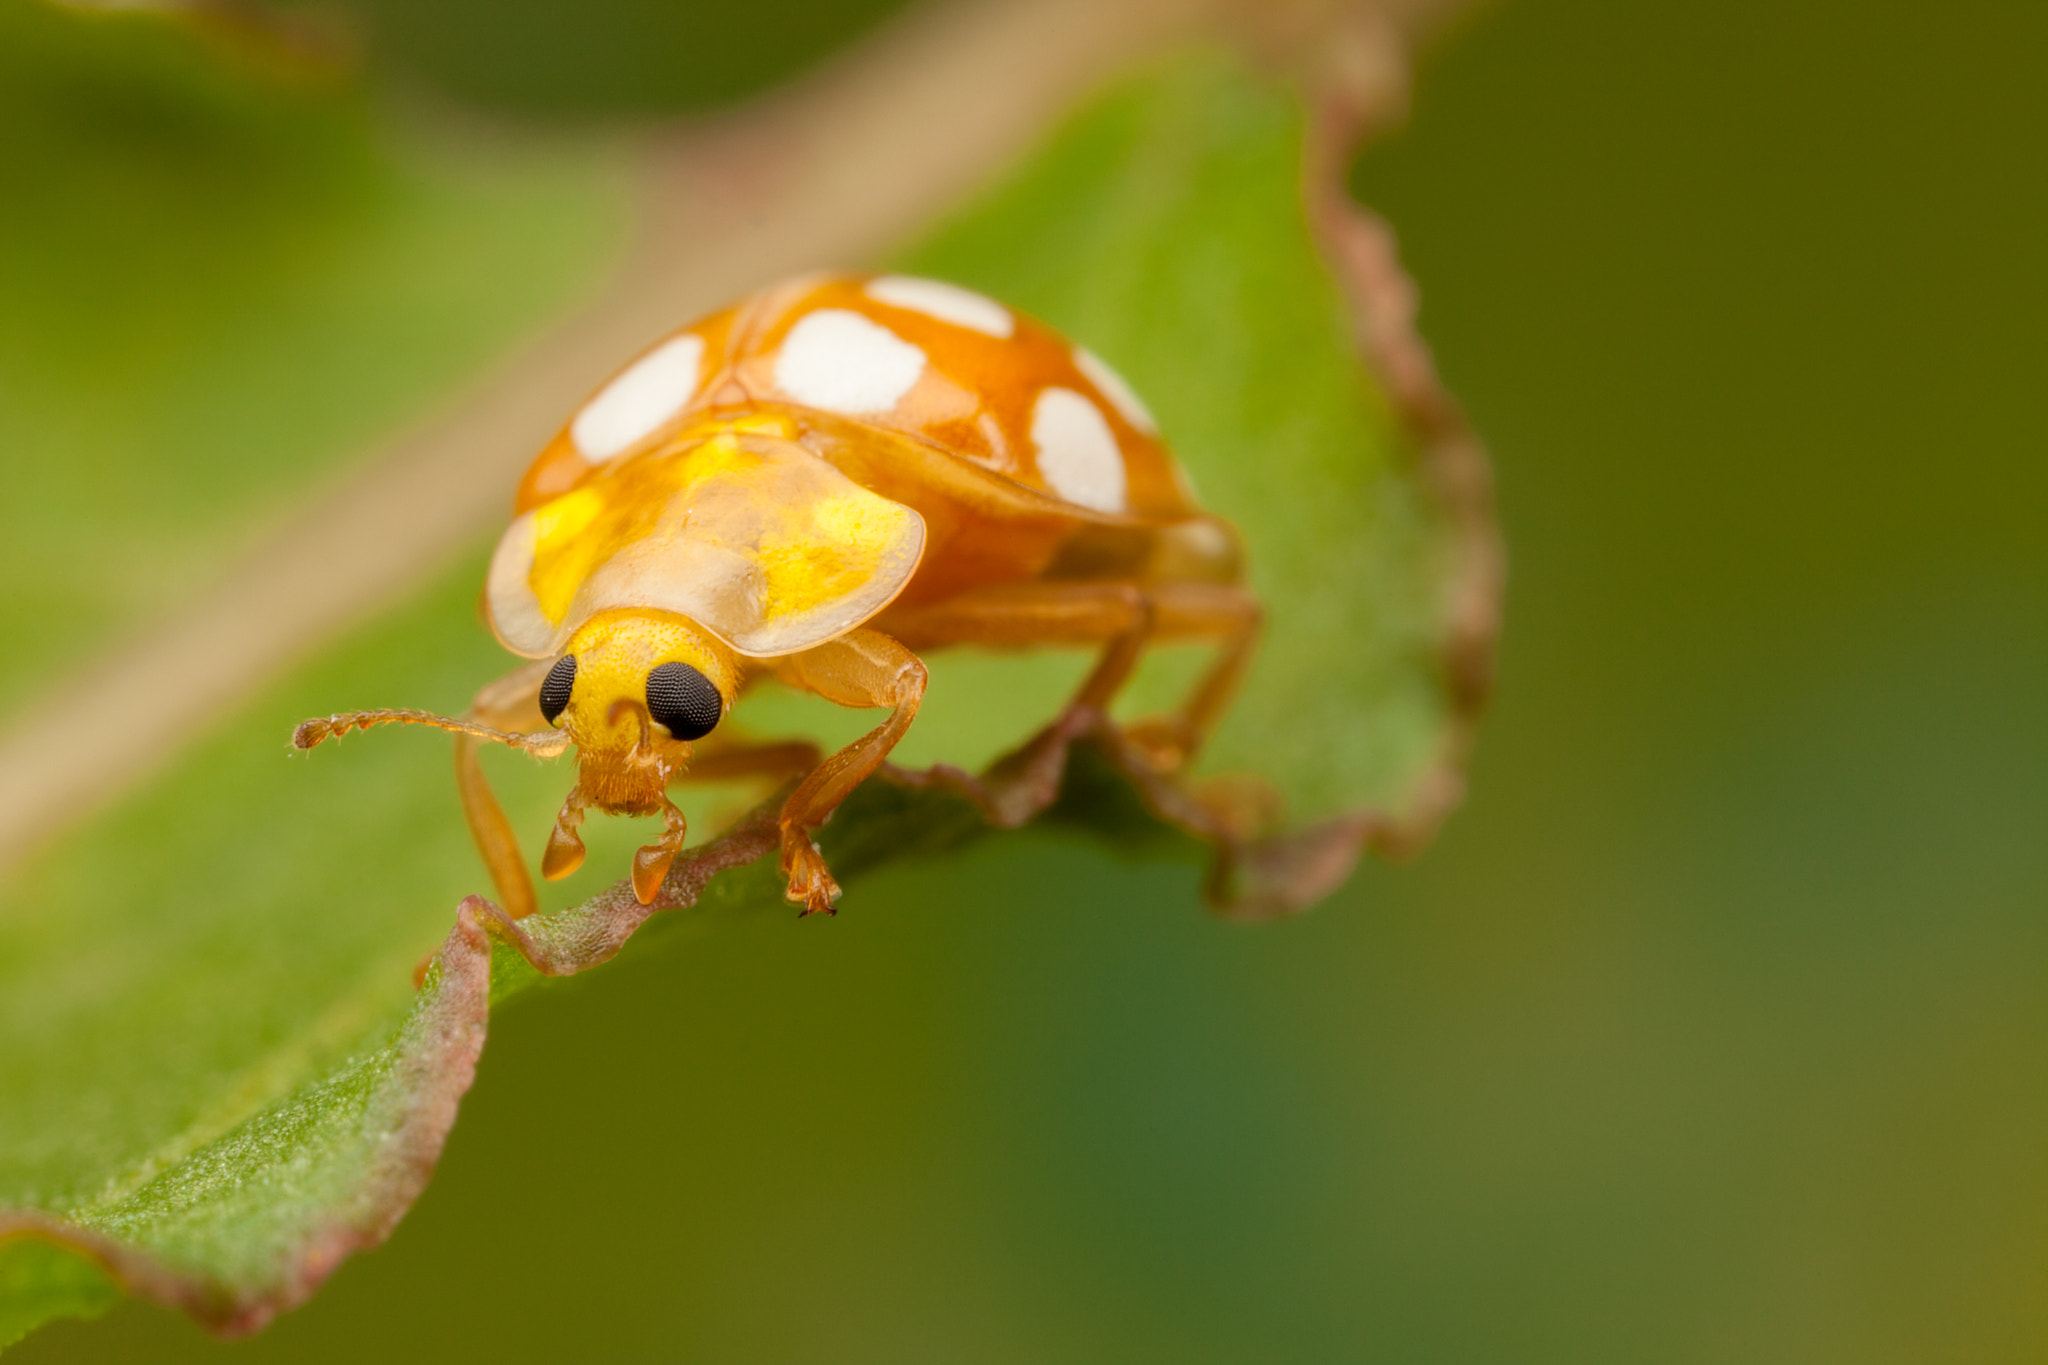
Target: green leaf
216,1077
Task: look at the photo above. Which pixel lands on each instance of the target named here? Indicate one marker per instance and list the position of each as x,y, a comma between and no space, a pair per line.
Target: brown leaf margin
411,1114
1355,90
1358,83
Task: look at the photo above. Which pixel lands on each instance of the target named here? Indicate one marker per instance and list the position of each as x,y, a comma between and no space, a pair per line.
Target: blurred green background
1712,1028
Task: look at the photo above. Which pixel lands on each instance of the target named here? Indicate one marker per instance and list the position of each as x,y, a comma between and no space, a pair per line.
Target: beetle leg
1232,617
1125,618
780,760
511,703
1127,612
860,668
784,759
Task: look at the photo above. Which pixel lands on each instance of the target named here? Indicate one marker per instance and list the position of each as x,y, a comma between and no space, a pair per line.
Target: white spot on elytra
1077,452
631,407
946,302
840,361
1115,390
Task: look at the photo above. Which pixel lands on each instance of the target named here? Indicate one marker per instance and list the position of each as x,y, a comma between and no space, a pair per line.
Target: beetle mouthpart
563,856
564,853
624,781
651,863
638,712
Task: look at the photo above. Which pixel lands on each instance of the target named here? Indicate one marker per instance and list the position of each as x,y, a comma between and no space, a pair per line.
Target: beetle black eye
683,700
554,689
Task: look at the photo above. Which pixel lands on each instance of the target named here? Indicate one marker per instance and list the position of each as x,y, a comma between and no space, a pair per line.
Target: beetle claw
1166,743
811,884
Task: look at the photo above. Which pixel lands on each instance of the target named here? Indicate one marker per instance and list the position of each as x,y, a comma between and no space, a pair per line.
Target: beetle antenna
545,744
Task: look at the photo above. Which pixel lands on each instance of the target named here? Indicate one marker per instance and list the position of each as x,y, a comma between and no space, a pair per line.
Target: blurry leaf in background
239,974
215,287
606,59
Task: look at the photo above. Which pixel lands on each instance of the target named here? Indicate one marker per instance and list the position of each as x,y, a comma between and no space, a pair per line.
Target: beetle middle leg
724,762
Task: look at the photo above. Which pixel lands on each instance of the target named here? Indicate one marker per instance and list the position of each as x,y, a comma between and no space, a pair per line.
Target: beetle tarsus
1166,743
811,884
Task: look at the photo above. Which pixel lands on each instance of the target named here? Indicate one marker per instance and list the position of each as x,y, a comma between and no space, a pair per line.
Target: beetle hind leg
1231,616
1124,619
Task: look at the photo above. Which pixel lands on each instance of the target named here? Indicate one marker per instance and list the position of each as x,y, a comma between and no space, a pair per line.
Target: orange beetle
814,485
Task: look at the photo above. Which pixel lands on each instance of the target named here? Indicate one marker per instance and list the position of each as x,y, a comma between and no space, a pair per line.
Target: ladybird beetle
815,485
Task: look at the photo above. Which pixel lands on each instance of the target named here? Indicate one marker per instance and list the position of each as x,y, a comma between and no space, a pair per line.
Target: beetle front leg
860,668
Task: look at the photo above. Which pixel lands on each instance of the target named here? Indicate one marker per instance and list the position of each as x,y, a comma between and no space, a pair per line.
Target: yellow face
641,687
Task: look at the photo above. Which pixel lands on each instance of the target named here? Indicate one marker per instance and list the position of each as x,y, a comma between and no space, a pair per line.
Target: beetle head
632,691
